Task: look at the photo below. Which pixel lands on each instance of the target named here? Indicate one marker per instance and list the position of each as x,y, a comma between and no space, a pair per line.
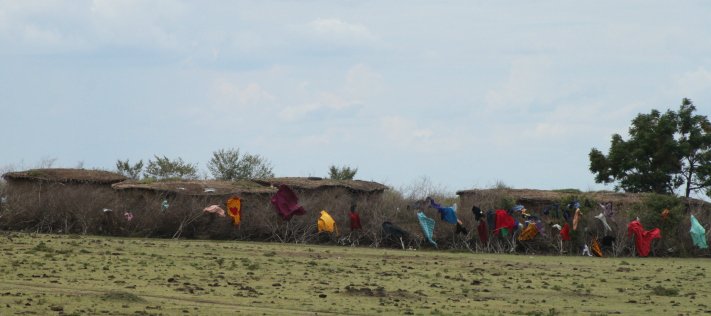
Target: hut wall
57,207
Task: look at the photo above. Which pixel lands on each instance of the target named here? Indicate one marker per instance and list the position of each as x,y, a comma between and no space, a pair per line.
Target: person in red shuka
355,218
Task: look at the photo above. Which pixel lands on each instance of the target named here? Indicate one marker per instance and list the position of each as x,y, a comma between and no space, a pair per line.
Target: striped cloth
427,224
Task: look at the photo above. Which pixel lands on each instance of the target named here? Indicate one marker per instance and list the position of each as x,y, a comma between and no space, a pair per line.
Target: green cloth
427,224
698,233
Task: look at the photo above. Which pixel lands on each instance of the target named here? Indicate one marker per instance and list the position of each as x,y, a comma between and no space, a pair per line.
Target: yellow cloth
529,232
326,223
234,210
576,218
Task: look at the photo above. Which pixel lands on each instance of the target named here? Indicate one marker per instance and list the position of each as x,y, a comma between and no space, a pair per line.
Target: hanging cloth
214,209
552,210
576,218
234,209
286,203
528,233
477,213
326,223
447,214
483,232
607,209
565,232
505,223
491,219
665,214
642,238
164,205
603,219
596,248
427,224
393,230
541,227
128,215
355,220
698,233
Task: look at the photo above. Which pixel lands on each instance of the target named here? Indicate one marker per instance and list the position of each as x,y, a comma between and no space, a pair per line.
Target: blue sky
466,93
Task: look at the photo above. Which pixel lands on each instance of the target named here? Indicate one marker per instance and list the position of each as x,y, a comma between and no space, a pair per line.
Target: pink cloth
215,210
128,216
286,203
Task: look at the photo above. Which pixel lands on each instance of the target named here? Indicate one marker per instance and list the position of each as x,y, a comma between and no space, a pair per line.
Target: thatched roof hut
59,175
314,183
196,187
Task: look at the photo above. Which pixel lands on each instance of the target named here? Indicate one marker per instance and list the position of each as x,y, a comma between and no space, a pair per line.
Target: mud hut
182,215
59,200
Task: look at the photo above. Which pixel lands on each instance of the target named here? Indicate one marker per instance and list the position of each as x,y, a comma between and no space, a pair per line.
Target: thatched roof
530,195
314,183
66,176
196,187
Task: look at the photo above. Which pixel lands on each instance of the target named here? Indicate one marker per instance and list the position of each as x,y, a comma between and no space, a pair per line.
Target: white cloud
691,84
362,81
529,82
233,96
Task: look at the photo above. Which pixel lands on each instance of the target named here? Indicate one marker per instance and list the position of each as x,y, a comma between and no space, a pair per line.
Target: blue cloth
574,205
427,224
517,208
553,210
491,218
447,214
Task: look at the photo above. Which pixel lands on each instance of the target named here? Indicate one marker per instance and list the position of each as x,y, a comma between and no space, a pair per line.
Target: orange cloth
529,232
576,218
665,213
596,248
234,210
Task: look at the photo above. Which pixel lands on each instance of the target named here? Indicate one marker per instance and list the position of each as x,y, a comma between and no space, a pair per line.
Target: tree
695,149
342,173
229,165
664,151
164,168
129,171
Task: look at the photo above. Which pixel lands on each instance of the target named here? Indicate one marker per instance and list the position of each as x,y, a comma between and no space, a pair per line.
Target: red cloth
483,231
504,220
355,221
642,239
286,203
565,232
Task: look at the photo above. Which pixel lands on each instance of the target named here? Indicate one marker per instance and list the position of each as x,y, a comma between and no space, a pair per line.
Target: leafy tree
695,149
665,150
230,165
129,171
342,173
163,168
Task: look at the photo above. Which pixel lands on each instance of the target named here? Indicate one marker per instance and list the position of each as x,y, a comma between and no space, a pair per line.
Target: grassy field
86,275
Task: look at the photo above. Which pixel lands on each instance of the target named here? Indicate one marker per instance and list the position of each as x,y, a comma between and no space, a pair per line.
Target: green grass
70,275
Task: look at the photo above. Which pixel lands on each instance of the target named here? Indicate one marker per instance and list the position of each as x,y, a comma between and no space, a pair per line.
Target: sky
464,94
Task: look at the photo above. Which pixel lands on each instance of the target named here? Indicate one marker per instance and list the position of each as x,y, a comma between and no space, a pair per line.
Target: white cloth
602,218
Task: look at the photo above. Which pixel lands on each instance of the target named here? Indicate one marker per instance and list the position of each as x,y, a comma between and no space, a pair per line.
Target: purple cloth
286,203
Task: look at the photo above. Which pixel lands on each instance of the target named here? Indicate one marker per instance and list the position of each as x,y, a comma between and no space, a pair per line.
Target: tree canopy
163,168
664,151
342,173
229,164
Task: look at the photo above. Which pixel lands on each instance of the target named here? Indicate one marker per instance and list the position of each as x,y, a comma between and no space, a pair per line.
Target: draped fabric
393,230
234,209
446,213
576,218
541,227
565,232
326,224
596,248
427,224
642,238
552,210
214,209
477,213
483,232
607,209
505,223
491,219
286,203
603,219
355,220
665,213
698,233
529,232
